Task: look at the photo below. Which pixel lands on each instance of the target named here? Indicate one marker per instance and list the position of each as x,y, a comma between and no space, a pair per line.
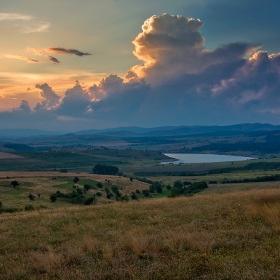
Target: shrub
31,196
174,192
134,196
29,207
53,198
168,187
90,200
15,183
76,180
99,185
87,187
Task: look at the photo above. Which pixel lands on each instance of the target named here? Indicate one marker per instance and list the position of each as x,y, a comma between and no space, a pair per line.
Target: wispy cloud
6,16
53,59
36,27
28,24
66,51
20,57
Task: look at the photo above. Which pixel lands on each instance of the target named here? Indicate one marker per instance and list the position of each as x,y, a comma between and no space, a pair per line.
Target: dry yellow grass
225,236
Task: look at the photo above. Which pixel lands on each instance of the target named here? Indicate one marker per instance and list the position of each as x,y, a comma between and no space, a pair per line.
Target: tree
174,192
53,198
14,183
76,180
87,187
99,185
134,196
178,184
31,196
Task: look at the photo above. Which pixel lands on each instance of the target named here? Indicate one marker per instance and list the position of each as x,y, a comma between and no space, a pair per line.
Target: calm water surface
202,158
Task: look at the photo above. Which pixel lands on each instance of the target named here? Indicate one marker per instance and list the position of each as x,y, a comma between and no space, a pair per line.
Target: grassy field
227,231
42,185
82,160
229,236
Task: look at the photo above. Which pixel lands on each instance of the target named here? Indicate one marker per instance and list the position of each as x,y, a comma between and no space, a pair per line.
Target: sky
69,65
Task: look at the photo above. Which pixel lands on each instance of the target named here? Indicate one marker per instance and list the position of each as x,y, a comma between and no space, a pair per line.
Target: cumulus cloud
23,107
66,51
179,82
51,99
20,57
172,45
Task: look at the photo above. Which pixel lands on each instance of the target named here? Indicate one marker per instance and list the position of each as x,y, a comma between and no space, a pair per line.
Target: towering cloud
171,46
179,82
51,99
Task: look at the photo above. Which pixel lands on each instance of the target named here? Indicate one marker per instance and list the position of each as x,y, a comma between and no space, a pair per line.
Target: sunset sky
69,65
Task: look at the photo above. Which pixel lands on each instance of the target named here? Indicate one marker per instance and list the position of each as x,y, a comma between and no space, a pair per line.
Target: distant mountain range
178,130
134,131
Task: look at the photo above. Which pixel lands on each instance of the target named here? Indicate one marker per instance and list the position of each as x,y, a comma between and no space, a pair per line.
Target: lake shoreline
203,158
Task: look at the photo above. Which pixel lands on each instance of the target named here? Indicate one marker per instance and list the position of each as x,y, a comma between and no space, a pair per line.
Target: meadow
214,236
226,231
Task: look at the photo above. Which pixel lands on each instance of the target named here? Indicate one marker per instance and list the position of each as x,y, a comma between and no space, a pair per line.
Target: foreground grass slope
228,236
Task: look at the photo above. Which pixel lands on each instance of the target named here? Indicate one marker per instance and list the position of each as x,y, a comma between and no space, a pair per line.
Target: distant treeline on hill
270,178
263,147
249,167
18,147
105,169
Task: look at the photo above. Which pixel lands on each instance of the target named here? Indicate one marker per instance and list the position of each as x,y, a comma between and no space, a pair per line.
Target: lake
203,158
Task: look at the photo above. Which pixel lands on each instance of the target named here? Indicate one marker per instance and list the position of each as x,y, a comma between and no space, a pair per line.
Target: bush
174,192
178,184
53,198
87,187
196,187
29,207
168,187
90,200
76,180
14,183
31,197
134,196
125,198
99,185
